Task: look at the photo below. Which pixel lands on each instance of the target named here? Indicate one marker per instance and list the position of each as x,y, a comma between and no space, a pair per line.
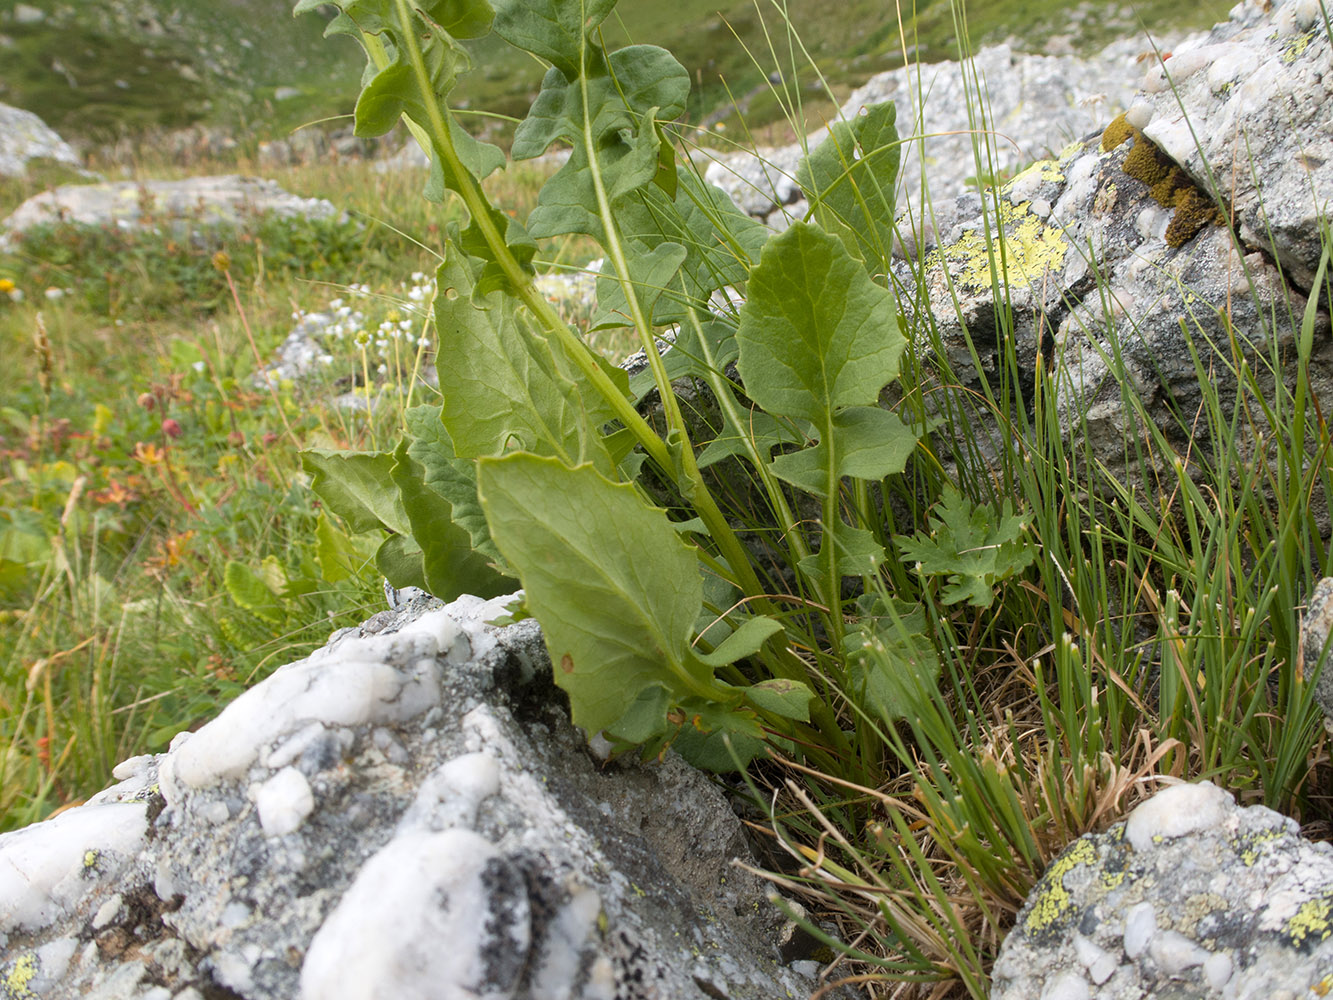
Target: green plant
952,621
665,626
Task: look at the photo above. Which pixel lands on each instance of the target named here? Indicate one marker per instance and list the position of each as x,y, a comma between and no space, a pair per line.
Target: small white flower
55,293
382,369
198,366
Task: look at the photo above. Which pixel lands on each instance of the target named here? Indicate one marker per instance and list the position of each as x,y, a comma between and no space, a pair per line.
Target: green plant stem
478,208
689,477
827,545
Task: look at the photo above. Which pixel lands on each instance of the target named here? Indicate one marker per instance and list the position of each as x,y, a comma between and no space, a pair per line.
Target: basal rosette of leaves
665,627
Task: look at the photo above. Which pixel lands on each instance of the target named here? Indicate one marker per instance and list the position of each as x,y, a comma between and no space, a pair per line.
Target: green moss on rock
1169,185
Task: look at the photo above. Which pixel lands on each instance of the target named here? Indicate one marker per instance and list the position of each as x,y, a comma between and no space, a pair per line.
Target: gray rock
1097,269
407,813
1191,896
1245,110
24,137
1036,106
410,156
197,201
1316,629
27,14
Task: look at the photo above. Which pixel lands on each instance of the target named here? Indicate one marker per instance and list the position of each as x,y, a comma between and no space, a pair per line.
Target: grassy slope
237,53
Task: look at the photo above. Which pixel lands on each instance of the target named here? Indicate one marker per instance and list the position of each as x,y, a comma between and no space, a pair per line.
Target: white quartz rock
1067,986
1140,926
45,868
1099,962
283,802
1177,811
468,935
451,795
1174,952
333,691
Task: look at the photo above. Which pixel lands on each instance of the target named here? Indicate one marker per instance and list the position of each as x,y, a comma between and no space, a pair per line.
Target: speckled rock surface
1191,896
229,199
24,137
405,814
1038,105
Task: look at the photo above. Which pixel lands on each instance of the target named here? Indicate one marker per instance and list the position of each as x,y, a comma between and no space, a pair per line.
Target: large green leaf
451,477
449,564
615,589
818,342
640,79
652,272
505,385
872,443
849,180
568,202
610,114
399,561
555,30
816,334
358,487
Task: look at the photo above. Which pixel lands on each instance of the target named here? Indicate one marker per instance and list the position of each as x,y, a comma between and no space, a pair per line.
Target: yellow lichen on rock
1296,47
1028,250
1051,900
1249,846
1045,170
22,972
1312,923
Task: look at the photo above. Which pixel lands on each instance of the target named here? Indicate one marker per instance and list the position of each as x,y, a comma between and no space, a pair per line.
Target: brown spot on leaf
567,663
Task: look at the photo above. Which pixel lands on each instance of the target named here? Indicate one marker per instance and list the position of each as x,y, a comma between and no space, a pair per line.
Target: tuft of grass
1156,637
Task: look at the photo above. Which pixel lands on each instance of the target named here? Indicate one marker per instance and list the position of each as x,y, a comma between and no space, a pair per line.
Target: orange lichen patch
1169,185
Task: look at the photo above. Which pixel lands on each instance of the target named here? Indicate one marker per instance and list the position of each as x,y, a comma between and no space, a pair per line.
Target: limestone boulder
1245,111
1190,896
1035,105
194,202
407,813
25,137
1116,256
